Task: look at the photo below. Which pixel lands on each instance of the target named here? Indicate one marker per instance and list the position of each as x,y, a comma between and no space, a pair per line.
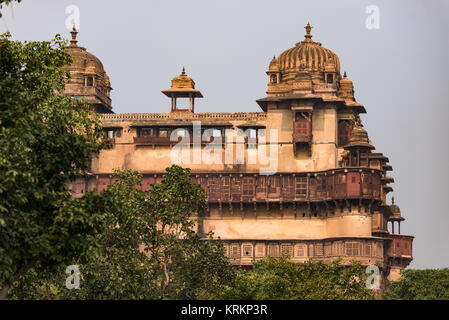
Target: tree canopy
149,248
46,140
428,284
281,279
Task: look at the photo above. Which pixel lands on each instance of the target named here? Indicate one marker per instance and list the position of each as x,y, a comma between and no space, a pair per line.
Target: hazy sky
400,73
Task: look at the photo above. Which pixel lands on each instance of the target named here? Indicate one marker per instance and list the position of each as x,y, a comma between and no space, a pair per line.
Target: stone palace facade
326,198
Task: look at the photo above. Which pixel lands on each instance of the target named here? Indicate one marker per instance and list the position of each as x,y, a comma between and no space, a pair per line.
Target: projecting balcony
401,246
331,185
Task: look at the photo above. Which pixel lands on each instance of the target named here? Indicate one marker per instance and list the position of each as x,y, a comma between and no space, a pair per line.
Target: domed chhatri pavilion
88,78
327,198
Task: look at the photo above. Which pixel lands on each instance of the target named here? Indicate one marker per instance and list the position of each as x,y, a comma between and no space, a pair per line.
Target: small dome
308,55
274,65
346,89
396,212
182,81
359,137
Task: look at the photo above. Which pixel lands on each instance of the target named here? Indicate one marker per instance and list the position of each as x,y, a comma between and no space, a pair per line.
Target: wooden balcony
330,185
401,246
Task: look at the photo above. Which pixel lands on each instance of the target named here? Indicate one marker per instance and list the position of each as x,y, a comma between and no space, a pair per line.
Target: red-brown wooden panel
302,128
236,189
353,184
344,132
321,192
375,179
103,183
261,188
274,187
340,185
330,186
301,187
288,188
248,188
78,186
147,182
214,188
367,184
400,247
226,188
312,188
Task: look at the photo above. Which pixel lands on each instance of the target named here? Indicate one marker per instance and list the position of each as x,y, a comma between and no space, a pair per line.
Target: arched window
89,81
330,78
273,78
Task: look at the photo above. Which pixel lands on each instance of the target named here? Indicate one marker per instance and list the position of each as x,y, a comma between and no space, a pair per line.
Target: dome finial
74,33
308,28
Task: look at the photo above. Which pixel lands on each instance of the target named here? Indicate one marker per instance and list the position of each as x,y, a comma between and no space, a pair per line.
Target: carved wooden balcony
330,185
401,246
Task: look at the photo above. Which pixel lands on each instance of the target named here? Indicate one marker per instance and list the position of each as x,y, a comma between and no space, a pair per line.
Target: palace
325,195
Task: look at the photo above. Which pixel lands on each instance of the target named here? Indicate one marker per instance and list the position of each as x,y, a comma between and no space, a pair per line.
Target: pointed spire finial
74,33
392,200
308,28
183,71
344,75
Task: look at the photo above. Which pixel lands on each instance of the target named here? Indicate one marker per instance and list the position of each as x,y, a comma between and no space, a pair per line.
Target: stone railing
186,115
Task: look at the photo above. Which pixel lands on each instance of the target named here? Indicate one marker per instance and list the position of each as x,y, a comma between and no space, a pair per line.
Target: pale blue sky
400,73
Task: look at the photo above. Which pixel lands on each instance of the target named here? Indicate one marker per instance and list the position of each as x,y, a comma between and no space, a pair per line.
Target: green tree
149,250
46,139
281,279
428,284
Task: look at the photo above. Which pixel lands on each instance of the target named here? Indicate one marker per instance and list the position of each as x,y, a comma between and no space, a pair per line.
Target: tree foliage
46,139
281,279
149,249
428,284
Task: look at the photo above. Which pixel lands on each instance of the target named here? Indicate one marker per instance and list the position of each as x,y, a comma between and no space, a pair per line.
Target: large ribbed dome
308,55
